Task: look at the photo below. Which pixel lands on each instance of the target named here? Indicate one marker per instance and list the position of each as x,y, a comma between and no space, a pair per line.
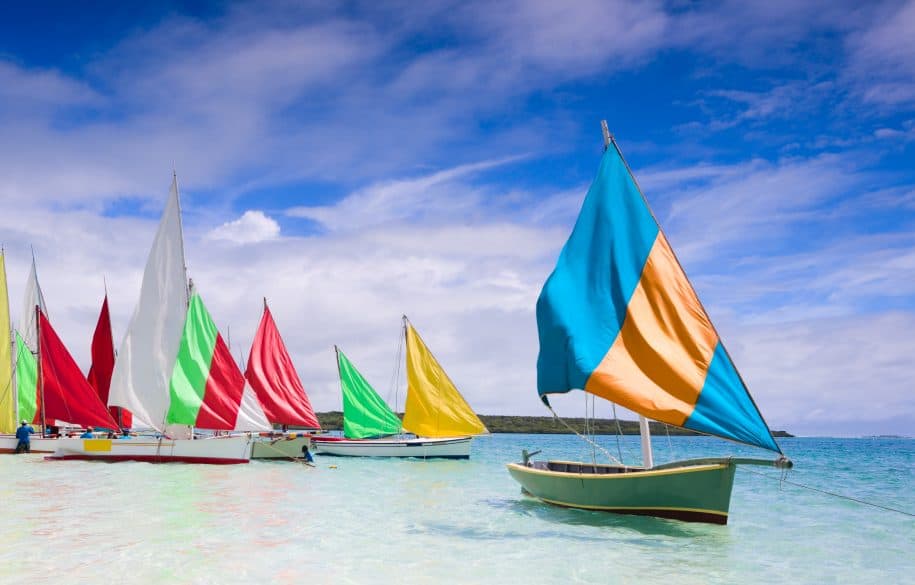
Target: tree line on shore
498,423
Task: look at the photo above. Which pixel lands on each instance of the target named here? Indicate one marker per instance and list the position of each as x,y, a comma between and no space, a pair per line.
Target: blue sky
356,161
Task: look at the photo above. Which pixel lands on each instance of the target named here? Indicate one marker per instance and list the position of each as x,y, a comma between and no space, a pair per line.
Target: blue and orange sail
618,318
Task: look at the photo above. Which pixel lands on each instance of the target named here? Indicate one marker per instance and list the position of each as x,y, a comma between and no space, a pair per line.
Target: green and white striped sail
207,390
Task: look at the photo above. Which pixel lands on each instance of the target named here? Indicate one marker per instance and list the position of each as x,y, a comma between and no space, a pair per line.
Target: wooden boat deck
609,469
588,468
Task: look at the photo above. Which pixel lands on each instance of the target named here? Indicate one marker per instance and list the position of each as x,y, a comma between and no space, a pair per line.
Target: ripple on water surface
387,521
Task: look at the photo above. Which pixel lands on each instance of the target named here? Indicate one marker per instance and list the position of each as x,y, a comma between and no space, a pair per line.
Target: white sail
140,381
28,327
251,415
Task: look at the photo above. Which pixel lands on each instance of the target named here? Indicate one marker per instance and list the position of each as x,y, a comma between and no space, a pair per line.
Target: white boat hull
289,447
447,448
213,451
38,444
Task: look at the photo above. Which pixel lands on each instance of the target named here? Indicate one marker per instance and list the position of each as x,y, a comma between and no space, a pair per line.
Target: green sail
26,380
365,414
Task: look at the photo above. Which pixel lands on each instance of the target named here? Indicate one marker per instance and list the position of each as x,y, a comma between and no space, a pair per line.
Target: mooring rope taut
593,444
782,479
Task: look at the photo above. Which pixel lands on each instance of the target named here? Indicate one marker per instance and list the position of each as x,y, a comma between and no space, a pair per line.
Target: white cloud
34,88
850,371
442,194
784,100
253,226
748,201
904,134
883,56
760,32
565,39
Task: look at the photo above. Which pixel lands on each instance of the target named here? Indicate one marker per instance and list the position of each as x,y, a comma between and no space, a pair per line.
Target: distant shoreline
545,425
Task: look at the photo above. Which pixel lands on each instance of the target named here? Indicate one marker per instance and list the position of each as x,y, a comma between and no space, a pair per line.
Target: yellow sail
434,406
7,395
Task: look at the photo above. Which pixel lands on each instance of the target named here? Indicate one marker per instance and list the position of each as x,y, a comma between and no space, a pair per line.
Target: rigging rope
395,374
828,493
593,444
619,432
593,428
589,429
670,444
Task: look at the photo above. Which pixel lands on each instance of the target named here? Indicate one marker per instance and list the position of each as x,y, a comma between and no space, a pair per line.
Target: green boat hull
690,491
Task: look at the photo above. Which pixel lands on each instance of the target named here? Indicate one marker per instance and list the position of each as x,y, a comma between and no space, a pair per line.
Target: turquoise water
389,521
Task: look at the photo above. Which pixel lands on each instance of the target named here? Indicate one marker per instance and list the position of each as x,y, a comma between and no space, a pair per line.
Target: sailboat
442,422
279,390
174,371
18,376
34,391
619,319
8,407
63,394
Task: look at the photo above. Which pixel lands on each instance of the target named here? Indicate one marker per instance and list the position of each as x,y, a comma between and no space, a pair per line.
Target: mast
188,283
40,376
644,430
114,352
40,380
339,373
13,381
403,342
645,433
187,292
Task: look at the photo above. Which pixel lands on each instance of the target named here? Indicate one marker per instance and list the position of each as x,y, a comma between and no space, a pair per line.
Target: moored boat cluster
177,385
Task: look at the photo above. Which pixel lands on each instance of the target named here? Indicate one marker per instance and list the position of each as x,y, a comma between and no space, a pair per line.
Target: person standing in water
24,434
306,455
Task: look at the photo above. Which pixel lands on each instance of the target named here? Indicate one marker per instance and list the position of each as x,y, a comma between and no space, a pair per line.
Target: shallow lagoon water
390,521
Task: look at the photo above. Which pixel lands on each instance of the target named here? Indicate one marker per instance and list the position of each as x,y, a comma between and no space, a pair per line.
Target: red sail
274,379
66,395
103,364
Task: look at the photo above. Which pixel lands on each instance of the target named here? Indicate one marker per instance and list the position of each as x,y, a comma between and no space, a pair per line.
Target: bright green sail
26,380
365,414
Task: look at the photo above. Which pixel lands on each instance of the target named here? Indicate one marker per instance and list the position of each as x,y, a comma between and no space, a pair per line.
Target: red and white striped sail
274,379
65,394
208,390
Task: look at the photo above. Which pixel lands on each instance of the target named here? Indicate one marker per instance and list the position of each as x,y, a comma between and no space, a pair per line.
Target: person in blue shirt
88,434
306,454
24,434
